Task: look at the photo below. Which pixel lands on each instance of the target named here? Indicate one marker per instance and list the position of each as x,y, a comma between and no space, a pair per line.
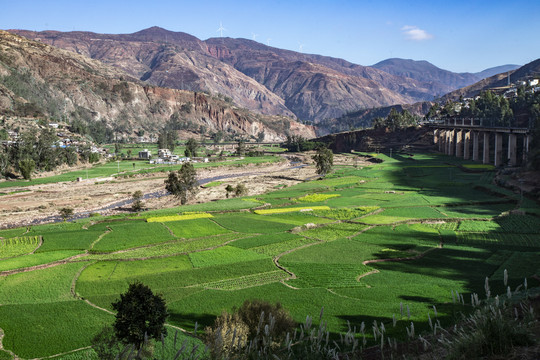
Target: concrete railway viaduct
491,145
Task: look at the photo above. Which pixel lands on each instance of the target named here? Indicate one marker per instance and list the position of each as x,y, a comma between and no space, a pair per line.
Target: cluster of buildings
165,156
532,85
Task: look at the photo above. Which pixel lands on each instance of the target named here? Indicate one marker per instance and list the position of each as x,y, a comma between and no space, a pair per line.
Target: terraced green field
393,233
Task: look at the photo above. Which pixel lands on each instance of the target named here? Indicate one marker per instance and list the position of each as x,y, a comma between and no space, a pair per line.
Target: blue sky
454,35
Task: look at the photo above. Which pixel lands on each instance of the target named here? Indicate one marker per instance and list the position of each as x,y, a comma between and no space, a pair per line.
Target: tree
191,147
139,313
241,147
182,183
26,167
137,202
324,160
229,189
217,136
240,190
66,213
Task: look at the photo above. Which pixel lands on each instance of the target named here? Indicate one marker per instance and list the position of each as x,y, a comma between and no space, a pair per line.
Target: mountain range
261,78
38,80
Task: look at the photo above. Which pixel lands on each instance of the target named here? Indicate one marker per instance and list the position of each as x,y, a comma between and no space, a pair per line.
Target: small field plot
250,223
478,226
9,233
30,260
36,330
172,248
328,265
501,240
18,246
39,286
332,232
328,276
396,198
130,234
247,281
393,215
476,211
222,256
403,241
296,218
284,246
346,213
463,267
69,240
261,240
525,224
171,283
195,228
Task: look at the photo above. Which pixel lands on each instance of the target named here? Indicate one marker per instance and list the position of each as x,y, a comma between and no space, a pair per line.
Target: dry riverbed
42,201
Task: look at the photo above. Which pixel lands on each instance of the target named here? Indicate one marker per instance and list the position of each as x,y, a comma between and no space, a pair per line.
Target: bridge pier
442,135
459,143
512,150
475,136
526,140
485,152
498,149
467,145
451,139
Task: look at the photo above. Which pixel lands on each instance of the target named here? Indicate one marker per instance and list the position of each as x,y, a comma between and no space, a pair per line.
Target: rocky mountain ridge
40,80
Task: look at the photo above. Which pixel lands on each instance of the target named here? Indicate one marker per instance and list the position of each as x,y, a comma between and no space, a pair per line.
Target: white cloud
416,34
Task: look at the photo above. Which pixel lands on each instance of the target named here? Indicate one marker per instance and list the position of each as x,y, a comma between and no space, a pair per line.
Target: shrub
105,344
257,324
227,336
491,330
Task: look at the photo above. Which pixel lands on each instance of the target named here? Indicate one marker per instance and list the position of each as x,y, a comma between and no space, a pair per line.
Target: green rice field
377,238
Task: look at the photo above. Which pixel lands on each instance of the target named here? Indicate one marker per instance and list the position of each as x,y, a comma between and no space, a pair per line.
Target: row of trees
493,109
37,150
396,120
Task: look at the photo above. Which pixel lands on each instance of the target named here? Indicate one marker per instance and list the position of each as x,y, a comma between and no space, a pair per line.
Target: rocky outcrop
48,81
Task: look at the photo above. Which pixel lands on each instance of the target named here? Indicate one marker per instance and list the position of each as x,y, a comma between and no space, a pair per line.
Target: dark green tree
217,136
240,190
324,160
137,204
139,313
66,213
240,147
183,183
26,167
191,147
229,189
